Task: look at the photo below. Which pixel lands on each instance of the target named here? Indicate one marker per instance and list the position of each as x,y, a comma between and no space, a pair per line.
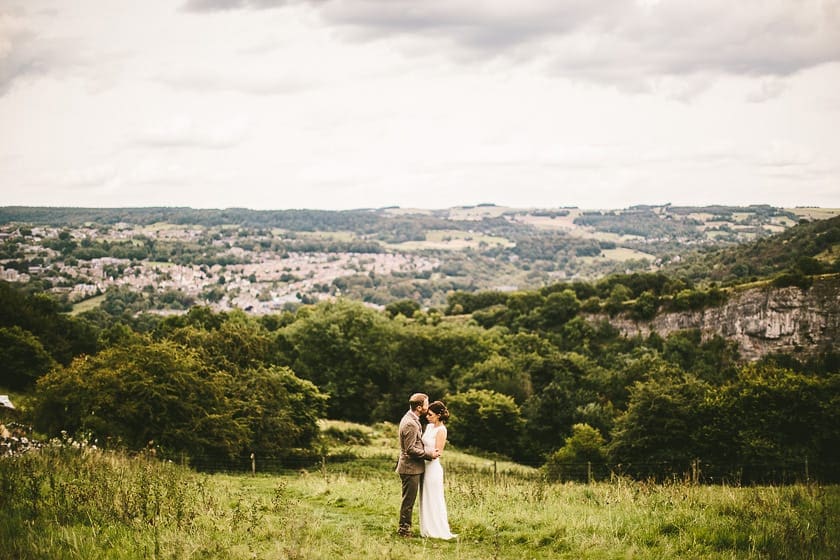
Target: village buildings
258,281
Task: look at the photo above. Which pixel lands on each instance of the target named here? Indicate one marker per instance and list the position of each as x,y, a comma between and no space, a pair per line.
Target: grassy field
87,305
72,502
815,213
620,254
451,240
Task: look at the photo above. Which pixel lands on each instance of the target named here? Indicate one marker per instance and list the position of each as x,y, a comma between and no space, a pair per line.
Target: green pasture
621,254
328,235
70,501
452,240
814,213
166,226
87,304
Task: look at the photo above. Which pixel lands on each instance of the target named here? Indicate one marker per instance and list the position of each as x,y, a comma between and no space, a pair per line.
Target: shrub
484,420
582,458
168,393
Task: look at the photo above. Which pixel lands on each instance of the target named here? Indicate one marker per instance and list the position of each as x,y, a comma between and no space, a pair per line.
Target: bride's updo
440,409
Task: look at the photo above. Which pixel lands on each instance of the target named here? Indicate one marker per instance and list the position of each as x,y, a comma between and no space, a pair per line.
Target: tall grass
71,502
64,500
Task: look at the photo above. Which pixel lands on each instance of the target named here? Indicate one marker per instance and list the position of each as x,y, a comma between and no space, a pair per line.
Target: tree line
548,385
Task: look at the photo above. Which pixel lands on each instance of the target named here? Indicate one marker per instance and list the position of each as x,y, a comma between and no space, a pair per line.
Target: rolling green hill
810,247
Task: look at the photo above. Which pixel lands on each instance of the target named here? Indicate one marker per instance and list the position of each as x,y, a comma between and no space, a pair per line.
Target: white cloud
23,54
768,88
616,40
251,82
183,131
785,154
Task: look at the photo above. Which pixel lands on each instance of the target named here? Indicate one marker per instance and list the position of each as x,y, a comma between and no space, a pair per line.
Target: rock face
762,320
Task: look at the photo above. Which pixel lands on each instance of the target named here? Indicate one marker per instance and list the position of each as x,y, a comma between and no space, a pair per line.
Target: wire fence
694,472
347,461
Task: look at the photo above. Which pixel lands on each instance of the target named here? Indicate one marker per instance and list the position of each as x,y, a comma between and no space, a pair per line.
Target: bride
434,521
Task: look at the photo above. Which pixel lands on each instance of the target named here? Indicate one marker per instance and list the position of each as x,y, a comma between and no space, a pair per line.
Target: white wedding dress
434,521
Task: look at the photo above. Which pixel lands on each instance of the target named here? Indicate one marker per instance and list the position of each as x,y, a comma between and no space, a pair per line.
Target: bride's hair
440,409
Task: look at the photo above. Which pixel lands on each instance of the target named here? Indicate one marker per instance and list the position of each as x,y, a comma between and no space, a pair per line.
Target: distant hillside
262,259
806,249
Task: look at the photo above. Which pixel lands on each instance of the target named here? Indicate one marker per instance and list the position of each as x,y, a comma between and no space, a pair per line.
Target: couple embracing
420,469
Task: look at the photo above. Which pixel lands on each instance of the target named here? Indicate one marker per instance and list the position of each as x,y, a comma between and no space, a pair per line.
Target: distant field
828,256
408,211
451,240
552,223
714,234
623,254
327,235
783,221
87,305
165,226
477,212
566,224
773,228
815,213
704,217
619,254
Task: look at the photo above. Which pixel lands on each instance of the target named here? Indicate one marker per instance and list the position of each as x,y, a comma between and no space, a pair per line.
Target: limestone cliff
762,320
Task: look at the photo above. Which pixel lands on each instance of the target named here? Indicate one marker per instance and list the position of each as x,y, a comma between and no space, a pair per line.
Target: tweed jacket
413,455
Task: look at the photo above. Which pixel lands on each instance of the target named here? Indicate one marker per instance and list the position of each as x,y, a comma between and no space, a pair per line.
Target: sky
344,104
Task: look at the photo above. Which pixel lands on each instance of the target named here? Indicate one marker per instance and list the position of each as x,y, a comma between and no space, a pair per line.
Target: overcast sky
338,104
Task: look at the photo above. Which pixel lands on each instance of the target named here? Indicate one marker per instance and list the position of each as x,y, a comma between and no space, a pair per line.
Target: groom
411,463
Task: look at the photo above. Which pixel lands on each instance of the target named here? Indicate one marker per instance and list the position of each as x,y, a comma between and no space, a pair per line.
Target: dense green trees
347,351
280,411
404,307
134,394
62,337
485,420
23,358
170,394
641,295
658,434
540,382
775,420
369,364
640,221
583,456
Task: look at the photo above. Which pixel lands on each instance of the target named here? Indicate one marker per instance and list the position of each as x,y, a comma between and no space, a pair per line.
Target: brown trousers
410,487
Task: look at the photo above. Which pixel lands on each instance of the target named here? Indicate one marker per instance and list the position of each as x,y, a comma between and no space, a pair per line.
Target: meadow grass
87,304
450,240
72,502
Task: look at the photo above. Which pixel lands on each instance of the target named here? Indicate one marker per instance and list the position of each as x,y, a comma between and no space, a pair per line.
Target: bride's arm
440,439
